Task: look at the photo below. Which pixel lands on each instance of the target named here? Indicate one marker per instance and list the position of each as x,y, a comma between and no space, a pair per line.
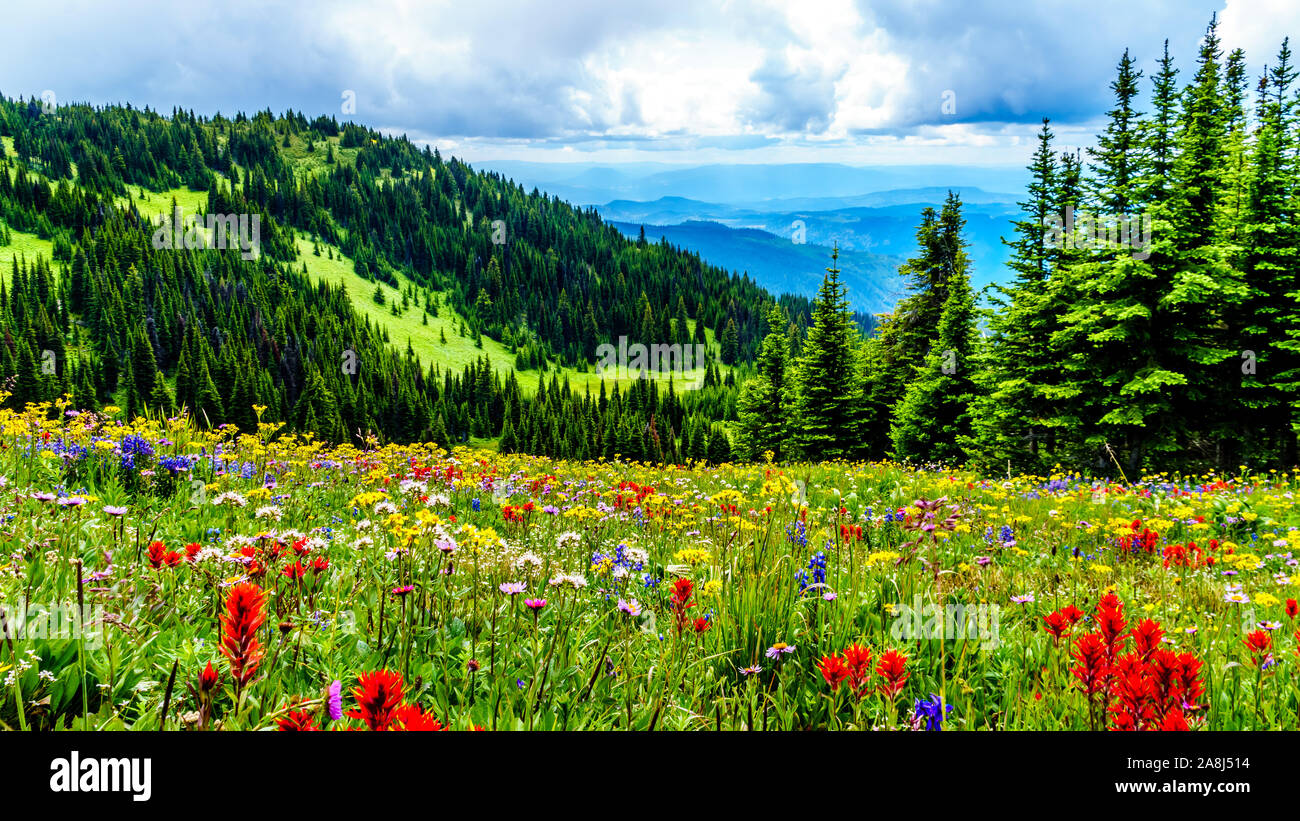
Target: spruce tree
764,402
933,423
1116,167
1270,327
1019,360
1206,290
729,352
828,404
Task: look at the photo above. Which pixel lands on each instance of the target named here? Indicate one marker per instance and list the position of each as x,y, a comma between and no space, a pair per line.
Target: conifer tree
933,423
1116,169
764,402
1019,358
828,406
729,342
1270,326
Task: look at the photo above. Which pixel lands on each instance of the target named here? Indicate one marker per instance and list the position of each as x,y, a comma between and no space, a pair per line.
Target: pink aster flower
335,701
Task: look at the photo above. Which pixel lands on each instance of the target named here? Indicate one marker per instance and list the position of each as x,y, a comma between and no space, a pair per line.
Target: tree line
1152,320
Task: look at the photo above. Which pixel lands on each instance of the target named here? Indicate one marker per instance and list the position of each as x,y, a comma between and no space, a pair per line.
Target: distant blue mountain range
778,222
780,265
745,184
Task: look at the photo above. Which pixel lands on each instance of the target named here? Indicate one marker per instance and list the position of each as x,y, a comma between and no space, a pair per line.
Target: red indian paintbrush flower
1132,709
239,624
1190,680
297,721
682,590
208,678
858,659
1112,626
1058,624
1146,637
1090,652
1165,669
1110,601
1174,721
681,602
893,672
411,718
1259,643
834,670
1292,609
1074,614
378,697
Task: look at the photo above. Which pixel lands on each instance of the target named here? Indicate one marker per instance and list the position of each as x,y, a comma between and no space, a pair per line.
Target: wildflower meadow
159,576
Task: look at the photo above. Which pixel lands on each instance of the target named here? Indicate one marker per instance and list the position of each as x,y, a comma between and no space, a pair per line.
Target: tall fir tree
933,422
764,401
828,400
1020,360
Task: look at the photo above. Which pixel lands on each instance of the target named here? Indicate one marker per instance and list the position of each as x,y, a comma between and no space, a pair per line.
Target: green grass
25,245
307,163
159,203
458,351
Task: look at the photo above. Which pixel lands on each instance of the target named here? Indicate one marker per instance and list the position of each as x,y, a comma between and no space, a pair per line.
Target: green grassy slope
23,245
404,327
458,351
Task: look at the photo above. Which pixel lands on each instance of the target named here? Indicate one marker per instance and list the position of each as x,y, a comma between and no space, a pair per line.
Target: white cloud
1258,26
717,78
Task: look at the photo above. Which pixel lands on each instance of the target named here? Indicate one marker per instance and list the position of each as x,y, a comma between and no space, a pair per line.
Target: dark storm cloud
484,69
1018,62
550,73
790,99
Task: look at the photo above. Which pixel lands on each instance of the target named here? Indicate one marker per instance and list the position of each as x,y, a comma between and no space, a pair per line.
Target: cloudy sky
912,81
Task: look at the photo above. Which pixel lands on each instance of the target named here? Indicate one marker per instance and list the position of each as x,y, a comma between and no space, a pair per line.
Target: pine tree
1270,326
1157,133
1020,359
208,407
719,446
1116,168
160,398
144,367
904,337
27,385
317,410
730,340
1206,290
933,423
764,402
828,406
681,328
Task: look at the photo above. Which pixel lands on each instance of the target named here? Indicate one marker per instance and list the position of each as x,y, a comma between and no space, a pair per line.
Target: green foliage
765,400
828,410
933,422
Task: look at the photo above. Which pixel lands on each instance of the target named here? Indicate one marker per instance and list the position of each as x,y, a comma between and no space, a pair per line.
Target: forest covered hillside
392,291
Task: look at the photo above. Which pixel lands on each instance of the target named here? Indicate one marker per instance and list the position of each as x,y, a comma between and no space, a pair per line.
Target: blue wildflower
928,712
